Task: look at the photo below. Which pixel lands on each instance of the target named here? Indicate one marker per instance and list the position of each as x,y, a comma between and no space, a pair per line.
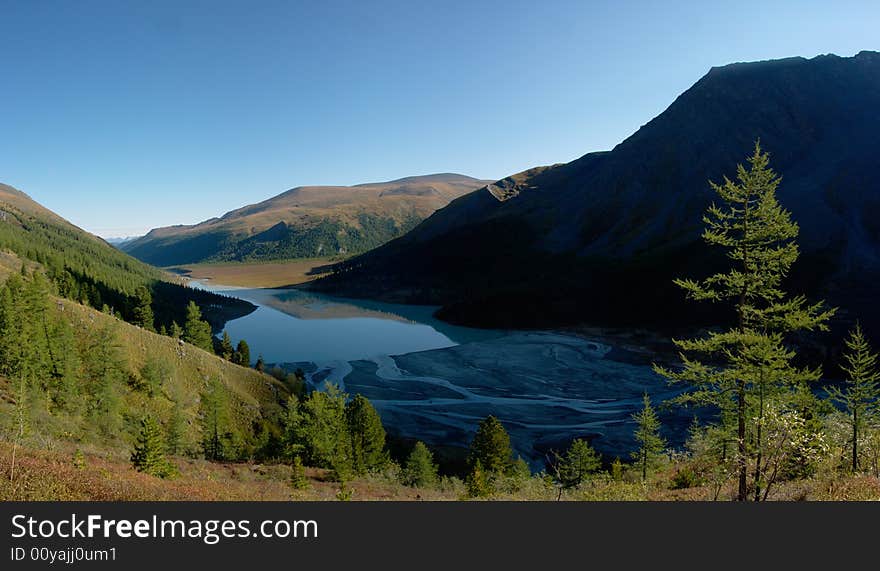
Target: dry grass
261,274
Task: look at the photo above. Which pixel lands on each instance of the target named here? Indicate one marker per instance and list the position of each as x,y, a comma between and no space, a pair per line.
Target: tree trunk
742,494
855,446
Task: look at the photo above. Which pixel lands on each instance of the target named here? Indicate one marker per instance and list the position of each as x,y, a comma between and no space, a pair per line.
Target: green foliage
298,478
260,365
578,464
419,470
218,440
242,355
142,314
317,429
368,453
860,395
478,482
149,451
226,351
153,375
651,444
175,429
490,447
175,331
196,331
741,370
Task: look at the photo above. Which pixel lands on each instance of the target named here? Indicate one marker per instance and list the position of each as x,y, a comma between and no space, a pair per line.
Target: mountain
306,222
118,241
599,239
85,268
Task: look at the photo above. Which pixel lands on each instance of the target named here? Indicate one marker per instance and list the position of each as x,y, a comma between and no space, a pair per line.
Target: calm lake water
296,326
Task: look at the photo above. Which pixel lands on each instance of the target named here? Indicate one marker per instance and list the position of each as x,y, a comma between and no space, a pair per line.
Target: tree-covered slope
306,222
85,268
602,237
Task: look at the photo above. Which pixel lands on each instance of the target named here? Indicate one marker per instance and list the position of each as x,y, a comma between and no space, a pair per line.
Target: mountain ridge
633,214
319,220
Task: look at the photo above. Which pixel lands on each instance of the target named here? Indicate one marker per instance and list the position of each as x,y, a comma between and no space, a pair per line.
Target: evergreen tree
176,427
142,313
740,370
105,373
215,421
175,332
242,354
419,471
478,482
861,392
317,429
260,364
298,478
153,375
651,444
491,447
226,350
149,451
196,331
578,464
367,436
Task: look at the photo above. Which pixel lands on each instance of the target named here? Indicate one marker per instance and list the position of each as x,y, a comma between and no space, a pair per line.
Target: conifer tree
242,354
215,419
368,452
196,331
142,313
419,471
651,444
578,464
226,349
298,478
260,364
478,482
861,392
317,429
739,370
149,451
176,426
491,447
175,331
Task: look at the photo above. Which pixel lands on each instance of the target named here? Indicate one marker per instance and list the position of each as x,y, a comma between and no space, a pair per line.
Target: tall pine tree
651,444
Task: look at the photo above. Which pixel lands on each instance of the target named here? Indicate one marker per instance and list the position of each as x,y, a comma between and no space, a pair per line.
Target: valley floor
256,274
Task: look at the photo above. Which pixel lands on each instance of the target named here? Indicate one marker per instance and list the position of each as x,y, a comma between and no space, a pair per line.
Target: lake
434,381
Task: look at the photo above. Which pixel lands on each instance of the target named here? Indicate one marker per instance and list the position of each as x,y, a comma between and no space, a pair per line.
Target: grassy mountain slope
85,268
601,238
306,222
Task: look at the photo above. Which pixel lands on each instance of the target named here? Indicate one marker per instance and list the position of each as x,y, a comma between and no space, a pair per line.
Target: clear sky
123,115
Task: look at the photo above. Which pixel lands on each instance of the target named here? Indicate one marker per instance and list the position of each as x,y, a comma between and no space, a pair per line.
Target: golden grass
258,274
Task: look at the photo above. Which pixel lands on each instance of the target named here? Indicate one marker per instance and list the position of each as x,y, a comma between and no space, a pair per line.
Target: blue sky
123,116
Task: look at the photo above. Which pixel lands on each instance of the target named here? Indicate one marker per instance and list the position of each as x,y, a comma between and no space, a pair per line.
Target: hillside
600,239
305,222
85,268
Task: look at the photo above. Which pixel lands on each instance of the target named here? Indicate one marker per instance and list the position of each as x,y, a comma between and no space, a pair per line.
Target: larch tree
577,465
226,349
367,434
148,455
142,312
861,391
419,470
740,369
197,331
490,447
651,444
242,354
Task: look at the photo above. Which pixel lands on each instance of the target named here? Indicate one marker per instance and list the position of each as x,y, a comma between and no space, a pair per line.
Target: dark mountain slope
600,238
306,222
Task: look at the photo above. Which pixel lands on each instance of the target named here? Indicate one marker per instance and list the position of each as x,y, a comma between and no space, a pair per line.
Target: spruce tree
368,452
149,451
196,331
861,391
741,369
651,444
491,447
419,471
